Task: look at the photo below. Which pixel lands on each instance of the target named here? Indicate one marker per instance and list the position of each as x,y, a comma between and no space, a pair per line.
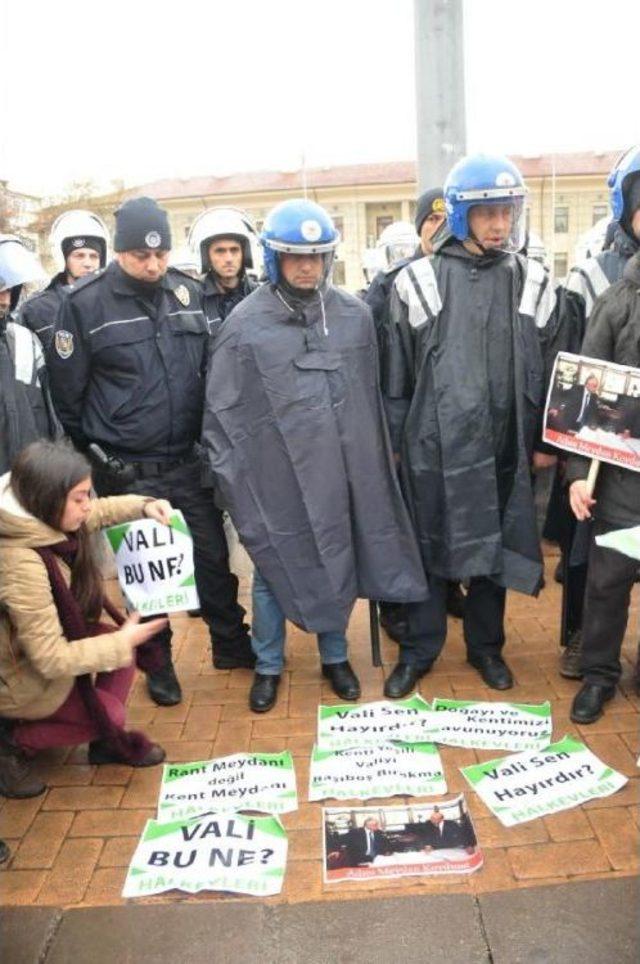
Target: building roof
353,175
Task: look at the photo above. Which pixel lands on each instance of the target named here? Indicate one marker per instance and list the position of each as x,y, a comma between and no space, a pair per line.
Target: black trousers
216,584
610,579
483,622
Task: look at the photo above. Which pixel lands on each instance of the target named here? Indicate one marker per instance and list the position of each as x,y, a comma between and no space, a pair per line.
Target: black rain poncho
463,380
297,442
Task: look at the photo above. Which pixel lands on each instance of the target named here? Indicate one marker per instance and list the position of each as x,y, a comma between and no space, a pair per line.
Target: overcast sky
183,87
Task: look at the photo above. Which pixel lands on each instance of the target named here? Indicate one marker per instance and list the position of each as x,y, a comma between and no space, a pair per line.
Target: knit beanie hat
430,202
141,223
74,244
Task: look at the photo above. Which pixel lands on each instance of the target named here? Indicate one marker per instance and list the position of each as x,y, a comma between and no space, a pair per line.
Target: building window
382,223
600,211
560,266
339,226
339,273
561,220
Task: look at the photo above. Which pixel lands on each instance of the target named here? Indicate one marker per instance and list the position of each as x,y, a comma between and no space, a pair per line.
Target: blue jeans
268,633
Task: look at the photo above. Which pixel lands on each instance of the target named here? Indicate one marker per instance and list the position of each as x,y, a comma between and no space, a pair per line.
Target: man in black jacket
613,334
79,238
366,843
127,365
574,409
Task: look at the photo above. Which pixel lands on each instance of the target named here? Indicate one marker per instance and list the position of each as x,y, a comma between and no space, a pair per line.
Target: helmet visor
498,224
398,251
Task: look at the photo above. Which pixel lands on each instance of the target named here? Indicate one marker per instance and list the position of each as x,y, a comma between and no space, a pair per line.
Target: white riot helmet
223,222
398,241
18,266
77,229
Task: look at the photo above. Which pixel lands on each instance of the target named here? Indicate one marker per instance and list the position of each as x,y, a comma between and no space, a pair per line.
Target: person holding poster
64,673
127,363
464,375
585,283
295,431
613,334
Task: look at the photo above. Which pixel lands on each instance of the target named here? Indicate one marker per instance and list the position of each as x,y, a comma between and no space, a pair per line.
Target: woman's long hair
42,475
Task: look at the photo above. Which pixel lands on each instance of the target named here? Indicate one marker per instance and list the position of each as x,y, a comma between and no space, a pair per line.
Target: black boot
263,693
588,704
344,681
493,670
163,686
5,853
403,680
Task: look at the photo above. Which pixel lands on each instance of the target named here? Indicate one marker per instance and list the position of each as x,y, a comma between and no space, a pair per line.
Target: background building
567,195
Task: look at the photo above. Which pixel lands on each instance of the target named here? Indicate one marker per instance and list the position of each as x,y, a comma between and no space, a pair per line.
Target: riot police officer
78,242
224,240
26,411
127,364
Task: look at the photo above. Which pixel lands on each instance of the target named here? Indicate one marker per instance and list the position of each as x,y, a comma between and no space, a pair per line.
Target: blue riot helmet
621,181
487,179
298,227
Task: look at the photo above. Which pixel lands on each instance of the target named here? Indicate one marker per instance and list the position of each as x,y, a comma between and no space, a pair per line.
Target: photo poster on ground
368,724
155,565
492,726
528,785
223,852
421,839
242,781
369,772
593,409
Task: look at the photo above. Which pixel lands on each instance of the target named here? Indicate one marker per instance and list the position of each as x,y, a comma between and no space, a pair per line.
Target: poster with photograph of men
361,843
593,409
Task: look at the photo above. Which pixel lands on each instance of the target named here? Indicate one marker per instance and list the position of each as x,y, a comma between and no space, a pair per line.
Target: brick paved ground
71,846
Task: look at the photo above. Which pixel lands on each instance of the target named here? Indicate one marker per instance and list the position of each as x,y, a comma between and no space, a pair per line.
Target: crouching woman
65,672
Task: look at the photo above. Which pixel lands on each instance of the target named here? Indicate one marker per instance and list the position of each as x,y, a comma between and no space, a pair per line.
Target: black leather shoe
344,681
163,686
263,693
588,704
494,671
5,853
403,680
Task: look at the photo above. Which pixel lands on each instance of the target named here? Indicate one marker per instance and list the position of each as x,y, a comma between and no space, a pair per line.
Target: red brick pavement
71,846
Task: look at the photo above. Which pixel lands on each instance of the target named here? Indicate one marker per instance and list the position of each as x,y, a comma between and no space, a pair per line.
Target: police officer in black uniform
79,240
127,365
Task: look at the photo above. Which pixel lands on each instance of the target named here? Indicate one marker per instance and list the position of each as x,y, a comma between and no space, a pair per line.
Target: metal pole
440,105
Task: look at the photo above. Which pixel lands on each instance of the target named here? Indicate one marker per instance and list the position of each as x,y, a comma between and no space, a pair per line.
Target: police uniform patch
152,239
183,296
311,230
78,242
63,341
